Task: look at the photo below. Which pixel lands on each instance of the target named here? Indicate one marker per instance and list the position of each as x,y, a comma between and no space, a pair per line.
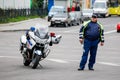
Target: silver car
74,18
61,19
87,14
55,10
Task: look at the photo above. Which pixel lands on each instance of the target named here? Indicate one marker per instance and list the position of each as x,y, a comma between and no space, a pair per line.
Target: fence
13,13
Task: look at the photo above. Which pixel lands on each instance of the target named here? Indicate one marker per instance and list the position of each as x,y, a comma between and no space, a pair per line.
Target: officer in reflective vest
90,35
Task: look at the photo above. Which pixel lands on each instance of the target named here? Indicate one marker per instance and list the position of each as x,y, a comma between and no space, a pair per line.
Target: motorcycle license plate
57,22
38,52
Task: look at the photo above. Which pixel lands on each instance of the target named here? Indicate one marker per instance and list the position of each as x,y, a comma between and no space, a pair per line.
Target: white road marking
76,31
9,57
66,61
108,32
109,64
58,60
71,31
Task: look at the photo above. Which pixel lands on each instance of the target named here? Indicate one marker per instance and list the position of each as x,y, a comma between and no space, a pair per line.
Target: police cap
94,16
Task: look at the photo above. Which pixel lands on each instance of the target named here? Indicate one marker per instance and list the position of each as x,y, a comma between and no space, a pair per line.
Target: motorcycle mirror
52,34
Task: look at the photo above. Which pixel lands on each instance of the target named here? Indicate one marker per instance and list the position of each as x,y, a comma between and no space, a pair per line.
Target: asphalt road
63,60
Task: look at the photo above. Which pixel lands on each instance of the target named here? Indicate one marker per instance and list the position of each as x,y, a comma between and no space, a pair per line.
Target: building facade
15,4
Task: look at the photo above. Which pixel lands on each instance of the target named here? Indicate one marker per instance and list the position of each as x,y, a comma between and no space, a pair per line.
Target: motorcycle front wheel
35,61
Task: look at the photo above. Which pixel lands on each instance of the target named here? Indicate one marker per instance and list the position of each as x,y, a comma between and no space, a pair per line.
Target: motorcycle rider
32,29
42,30
36,30
35,44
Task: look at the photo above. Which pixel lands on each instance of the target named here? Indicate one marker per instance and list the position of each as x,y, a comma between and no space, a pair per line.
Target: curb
6,27
14,23
13,30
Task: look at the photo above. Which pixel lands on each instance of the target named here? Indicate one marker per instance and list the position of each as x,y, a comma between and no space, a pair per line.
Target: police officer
91,33
32,29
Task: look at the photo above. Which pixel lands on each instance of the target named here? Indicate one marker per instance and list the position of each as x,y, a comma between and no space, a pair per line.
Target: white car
54,10
61,19
101,8
74,18
87,14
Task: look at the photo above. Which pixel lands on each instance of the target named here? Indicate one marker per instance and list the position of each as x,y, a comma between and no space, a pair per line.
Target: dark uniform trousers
89,46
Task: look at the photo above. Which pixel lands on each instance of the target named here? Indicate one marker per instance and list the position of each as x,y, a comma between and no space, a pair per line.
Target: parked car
61,19
75,20
54,10
87,14
118,27
79,15
101,7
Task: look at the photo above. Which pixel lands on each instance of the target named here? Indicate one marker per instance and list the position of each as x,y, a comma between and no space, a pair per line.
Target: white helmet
41,30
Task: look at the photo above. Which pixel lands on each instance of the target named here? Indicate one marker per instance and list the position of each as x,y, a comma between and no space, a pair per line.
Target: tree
37,4
40,3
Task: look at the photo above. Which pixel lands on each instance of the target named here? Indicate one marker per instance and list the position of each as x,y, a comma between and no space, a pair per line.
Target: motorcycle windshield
41,34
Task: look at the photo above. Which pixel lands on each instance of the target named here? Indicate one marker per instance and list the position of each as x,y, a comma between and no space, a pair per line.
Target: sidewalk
22,25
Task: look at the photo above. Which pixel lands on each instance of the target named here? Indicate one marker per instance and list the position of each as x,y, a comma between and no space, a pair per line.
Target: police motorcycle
35,46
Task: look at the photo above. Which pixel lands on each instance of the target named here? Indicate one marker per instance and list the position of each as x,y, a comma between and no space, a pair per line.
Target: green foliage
20,18
40,3
37,4
34,4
